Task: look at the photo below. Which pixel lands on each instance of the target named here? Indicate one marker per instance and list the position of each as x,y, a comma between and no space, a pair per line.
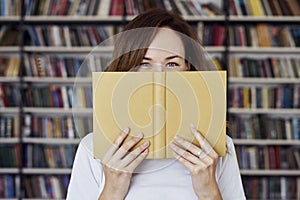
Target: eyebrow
167,58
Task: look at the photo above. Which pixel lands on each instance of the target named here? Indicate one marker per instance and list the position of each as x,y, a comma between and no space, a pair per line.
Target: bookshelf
232,45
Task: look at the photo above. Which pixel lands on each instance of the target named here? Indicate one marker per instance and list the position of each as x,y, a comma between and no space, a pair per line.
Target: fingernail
146,143
193,128
172,145
177,138
140,135
126,130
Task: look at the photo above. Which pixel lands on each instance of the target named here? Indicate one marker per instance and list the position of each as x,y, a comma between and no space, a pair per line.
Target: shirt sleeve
229,178
87,179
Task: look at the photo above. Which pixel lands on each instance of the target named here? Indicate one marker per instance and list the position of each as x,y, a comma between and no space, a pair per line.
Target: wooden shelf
59,80
57,50
9,49
9,79
9,170
45,171
270,50
265,19
265,142
263,80
10,19
253,172
9,110
51,140
286,112
9,140
58,111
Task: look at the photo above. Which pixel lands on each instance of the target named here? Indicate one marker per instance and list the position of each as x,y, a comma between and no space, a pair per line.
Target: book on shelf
117,7
49,155
268,187
9,36
265,67
279,96
9,126
10,95
10,155
175,100
264,127
54,35
9,66
8,186
56,127
58,96
50,186
268,157
264,7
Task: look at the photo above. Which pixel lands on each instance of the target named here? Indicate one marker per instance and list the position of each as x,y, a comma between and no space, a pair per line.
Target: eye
145,64
172,64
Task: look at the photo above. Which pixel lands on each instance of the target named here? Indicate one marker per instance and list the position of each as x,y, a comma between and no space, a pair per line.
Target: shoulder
230,158
229,144
85,148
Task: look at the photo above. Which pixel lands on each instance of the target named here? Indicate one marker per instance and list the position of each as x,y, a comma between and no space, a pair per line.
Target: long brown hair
131,45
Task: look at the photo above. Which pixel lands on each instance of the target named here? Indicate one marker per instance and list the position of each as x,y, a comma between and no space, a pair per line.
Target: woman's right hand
118,165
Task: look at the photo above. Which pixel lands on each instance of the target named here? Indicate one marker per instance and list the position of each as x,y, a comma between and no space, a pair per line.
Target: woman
172,46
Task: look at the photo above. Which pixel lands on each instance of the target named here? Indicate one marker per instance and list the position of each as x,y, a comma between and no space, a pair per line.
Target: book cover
160,105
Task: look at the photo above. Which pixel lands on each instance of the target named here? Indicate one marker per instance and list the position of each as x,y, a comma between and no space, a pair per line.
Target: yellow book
256,7
160,105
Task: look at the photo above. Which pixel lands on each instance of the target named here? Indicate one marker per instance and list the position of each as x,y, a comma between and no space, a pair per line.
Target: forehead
167,41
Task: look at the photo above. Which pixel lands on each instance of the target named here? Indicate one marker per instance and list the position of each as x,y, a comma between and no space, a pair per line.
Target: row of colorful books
269,67
10,155
10,95
8,186
9,66
10,35
211,34
264,35
54,35
260,35
43,65
46,187
264,7
49,156
271,187
58,96
265,96
268,157
117,7
9,126
46,96
56,127
38,186
264,127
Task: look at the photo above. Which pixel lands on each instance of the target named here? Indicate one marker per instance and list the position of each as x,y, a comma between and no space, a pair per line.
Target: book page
161,105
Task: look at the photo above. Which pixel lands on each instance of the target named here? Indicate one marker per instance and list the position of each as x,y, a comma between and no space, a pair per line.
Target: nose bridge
157,67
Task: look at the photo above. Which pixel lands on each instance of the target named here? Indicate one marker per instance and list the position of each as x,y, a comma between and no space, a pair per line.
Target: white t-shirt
165,179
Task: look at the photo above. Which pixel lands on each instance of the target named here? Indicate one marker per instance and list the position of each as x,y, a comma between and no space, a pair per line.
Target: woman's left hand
201,162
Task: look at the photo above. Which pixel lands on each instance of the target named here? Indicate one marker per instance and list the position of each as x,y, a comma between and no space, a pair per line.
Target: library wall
44,43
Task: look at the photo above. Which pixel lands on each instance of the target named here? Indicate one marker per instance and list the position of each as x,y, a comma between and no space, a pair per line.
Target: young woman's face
165,53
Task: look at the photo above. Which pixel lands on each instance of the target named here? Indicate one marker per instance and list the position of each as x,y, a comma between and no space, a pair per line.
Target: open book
160,105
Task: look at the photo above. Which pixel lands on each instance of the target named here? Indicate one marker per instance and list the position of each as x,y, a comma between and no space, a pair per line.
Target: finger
203,142
130,157
187,145
117,143
183,161
124,149
185,154
131,167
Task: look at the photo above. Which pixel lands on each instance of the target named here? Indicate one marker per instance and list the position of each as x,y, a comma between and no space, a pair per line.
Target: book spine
159,99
